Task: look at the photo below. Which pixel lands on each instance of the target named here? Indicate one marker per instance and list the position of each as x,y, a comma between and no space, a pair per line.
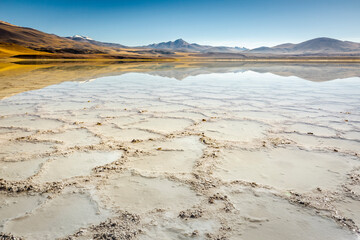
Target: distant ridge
6,23
86,39
321,45
181,45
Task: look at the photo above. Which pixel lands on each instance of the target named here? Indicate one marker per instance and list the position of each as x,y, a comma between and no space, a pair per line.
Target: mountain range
22,42
314,46
86,39
181,45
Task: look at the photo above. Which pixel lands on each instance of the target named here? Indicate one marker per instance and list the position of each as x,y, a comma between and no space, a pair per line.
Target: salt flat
231,154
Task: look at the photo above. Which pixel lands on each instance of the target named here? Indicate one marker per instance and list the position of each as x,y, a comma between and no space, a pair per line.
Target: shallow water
205,151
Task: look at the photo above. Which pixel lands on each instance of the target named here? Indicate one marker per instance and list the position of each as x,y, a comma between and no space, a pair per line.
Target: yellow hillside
11,49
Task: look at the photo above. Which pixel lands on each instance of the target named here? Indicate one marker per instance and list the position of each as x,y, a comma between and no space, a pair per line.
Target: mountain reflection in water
26,75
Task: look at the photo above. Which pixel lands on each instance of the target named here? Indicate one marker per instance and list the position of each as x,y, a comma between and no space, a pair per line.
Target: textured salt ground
189,143
170,226
177,155
123,134
310,128
12,207
56,218
70,137
29,122
230,130
13,109
166,107
141,194
163,125
74,165
350,208
17,150
187,115
20,170
126,121
353,135
286,168
260,115
269,217
7,134
311,142
65,106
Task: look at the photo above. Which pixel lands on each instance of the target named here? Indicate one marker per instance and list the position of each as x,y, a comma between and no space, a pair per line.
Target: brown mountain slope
37,40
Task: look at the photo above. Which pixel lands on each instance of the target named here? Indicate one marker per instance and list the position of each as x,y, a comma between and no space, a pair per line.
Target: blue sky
249,23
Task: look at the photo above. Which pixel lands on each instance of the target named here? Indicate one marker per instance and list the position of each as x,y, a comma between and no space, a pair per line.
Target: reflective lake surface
180,151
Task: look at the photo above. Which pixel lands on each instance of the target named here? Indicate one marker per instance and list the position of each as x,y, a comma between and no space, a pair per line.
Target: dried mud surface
235,155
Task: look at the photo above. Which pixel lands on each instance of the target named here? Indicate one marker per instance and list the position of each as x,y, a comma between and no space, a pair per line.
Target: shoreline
272,59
